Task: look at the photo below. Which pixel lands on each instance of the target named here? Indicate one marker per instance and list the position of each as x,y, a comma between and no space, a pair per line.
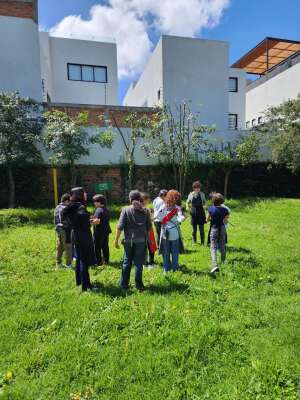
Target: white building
194,70
276,63
53,69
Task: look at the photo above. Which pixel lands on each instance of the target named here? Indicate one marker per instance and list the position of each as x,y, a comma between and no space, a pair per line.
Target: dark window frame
259,120
236,121
236,84
86,65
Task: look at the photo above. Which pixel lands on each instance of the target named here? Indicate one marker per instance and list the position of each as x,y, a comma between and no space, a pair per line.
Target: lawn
188,336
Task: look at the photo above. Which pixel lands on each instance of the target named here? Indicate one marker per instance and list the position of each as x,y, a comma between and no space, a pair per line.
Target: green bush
21,216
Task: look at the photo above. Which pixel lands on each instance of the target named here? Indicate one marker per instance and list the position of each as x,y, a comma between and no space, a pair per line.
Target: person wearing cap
135,222
79,218
158,204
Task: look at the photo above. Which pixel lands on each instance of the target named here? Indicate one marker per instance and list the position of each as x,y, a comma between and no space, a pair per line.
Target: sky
137,25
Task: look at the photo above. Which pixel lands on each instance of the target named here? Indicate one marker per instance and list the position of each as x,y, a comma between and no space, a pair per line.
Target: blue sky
243,23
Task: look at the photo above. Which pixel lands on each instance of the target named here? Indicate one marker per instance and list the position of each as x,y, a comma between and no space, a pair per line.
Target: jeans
133,253
217,242
170,247
101,248
82,272
195,223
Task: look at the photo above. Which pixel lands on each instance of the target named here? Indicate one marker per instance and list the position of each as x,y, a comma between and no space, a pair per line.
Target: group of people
135,231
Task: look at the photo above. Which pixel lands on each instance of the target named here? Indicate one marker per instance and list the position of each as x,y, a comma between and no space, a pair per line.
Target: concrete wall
144,92
57,52
196,70
272,91
237,100
19,57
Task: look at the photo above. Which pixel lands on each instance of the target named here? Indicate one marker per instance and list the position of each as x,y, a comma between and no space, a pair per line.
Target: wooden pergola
268,53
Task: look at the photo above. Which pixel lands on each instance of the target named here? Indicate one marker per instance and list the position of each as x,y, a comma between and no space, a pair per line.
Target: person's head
135,195
145,198
65,199
99,201
196,186
78,195
217,199
172,198
162,193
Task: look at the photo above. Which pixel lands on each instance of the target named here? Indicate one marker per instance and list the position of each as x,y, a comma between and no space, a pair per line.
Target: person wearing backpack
196,202
63,231
135,222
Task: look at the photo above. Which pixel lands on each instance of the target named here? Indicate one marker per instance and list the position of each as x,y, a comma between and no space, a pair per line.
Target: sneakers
214,270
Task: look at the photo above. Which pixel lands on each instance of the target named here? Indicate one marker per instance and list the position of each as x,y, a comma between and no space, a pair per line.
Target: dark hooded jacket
79,218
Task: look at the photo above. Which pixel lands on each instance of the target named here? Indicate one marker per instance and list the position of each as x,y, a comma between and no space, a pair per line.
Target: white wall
19,57
196,70
58,52
237,100
272,92
144,92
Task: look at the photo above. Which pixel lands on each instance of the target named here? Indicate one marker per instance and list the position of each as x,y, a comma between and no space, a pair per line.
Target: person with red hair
170,216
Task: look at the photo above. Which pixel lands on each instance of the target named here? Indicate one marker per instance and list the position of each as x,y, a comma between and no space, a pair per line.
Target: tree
66,138
281,133
131,136
176,136
20,127
232,154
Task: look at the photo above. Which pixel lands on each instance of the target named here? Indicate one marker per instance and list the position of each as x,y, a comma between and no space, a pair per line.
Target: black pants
150,256
101,248
196,223
158,230
82,272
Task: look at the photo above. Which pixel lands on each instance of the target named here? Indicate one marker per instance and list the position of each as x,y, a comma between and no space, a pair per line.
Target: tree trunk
11,187
227,175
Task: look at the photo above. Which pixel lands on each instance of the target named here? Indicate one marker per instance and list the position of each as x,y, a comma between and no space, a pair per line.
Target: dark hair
65,197
77,194
196,185
162,193
135,195
99,198
217,199
145,196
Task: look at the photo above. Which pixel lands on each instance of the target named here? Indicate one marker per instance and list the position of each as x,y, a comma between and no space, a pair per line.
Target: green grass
186,337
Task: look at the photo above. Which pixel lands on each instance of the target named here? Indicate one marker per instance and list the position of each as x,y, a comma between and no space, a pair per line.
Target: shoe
151,266
214,270
140,288
68,266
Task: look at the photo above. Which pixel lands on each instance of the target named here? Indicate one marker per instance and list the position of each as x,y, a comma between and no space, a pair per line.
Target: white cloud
129,22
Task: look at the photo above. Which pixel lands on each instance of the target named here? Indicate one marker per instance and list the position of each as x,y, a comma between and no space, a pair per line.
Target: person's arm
203,199
148,222
120,228
208,218
180,216
96,220
226,218
189,201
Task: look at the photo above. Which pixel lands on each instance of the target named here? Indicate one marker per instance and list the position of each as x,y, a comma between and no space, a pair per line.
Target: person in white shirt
158,204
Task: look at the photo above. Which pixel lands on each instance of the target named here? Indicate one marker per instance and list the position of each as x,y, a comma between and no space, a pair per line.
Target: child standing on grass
218,216
102,230
171,243
63,231
195,202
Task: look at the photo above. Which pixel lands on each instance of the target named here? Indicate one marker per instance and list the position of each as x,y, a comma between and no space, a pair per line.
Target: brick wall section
20,9
116,114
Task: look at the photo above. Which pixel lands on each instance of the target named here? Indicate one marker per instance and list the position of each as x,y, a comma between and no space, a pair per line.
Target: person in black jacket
196,202
79,218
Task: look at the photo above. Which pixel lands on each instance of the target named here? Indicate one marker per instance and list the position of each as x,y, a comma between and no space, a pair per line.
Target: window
247,124
87,73
233,84
232,121
253,122
259,120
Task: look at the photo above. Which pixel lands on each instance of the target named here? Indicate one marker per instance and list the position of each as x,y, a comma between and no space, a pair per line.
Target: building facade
197,71
53,69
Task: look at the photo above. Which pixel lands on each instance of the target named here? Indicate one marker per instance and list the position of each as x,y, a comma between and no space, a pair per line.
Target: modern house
197,71
276,65
53,69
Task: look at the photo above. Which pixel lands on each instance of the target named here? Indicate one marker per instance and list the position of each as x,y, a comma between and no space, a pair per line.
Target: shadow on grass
243,250
167,289
248,261
190,271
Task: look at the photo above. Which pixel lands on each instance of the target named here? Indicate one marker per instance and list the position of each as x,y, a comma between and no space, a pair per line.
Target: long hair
172,198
